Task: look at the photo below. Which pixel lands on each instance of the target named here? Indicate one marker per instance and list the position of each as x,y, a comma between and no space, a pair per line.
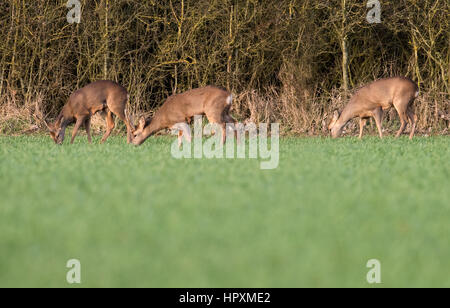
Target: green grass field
138,217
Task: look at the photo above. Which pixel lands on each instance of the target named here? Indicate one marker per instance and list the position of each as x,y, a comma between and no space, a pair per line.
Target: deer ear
336,115
142,122
333,121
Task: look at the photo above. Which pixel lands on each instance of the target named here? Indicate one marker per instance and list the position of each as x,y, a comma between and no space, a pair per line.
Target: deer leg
401,108
217,119
87,125
412,120
224,132
109,126
180,138
233,124
403,120
187,132
362,123
120,113
79,122
378,116
183,130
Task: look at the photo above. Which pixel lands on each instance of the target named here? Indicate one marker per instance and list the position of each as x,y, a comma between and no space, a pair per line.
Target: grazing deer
213,102
106,97
373,99
183,129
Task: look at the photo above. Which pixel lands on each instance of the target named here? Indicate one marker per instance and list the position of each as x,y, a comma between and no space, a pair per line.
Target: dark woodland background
290,61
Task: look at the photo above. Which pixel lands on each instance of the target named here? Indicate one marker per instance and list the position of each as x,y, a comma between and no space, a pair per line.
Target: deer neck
347,114
59,121
154,126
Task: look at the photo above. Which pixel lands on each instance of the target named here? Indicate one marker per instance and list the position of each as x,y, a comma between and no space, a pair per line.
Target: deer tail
230,99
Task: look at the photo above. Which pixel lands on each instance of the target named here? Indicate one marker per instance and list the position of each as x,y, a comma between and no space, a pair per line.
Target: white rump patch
230,99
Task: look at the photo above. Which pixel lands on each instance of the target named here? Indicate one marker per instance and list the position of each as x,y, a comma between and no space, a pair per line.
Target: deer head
143,122
56,132
55,129
336,130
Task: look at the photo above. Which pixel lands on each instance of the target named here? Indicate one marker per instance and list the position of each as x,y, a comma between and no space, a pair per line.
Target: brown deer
106,97
183,129
211,101
373,99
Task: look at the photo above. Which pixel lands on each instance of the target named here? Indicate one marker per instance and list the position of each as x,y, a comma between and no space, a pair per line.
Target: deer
178,109
105,97
373,99
182,129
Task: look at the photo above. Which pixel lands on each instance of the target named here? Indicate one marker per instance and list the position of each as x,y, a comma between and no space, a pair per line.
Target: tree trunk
344,46
106,42
345,63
